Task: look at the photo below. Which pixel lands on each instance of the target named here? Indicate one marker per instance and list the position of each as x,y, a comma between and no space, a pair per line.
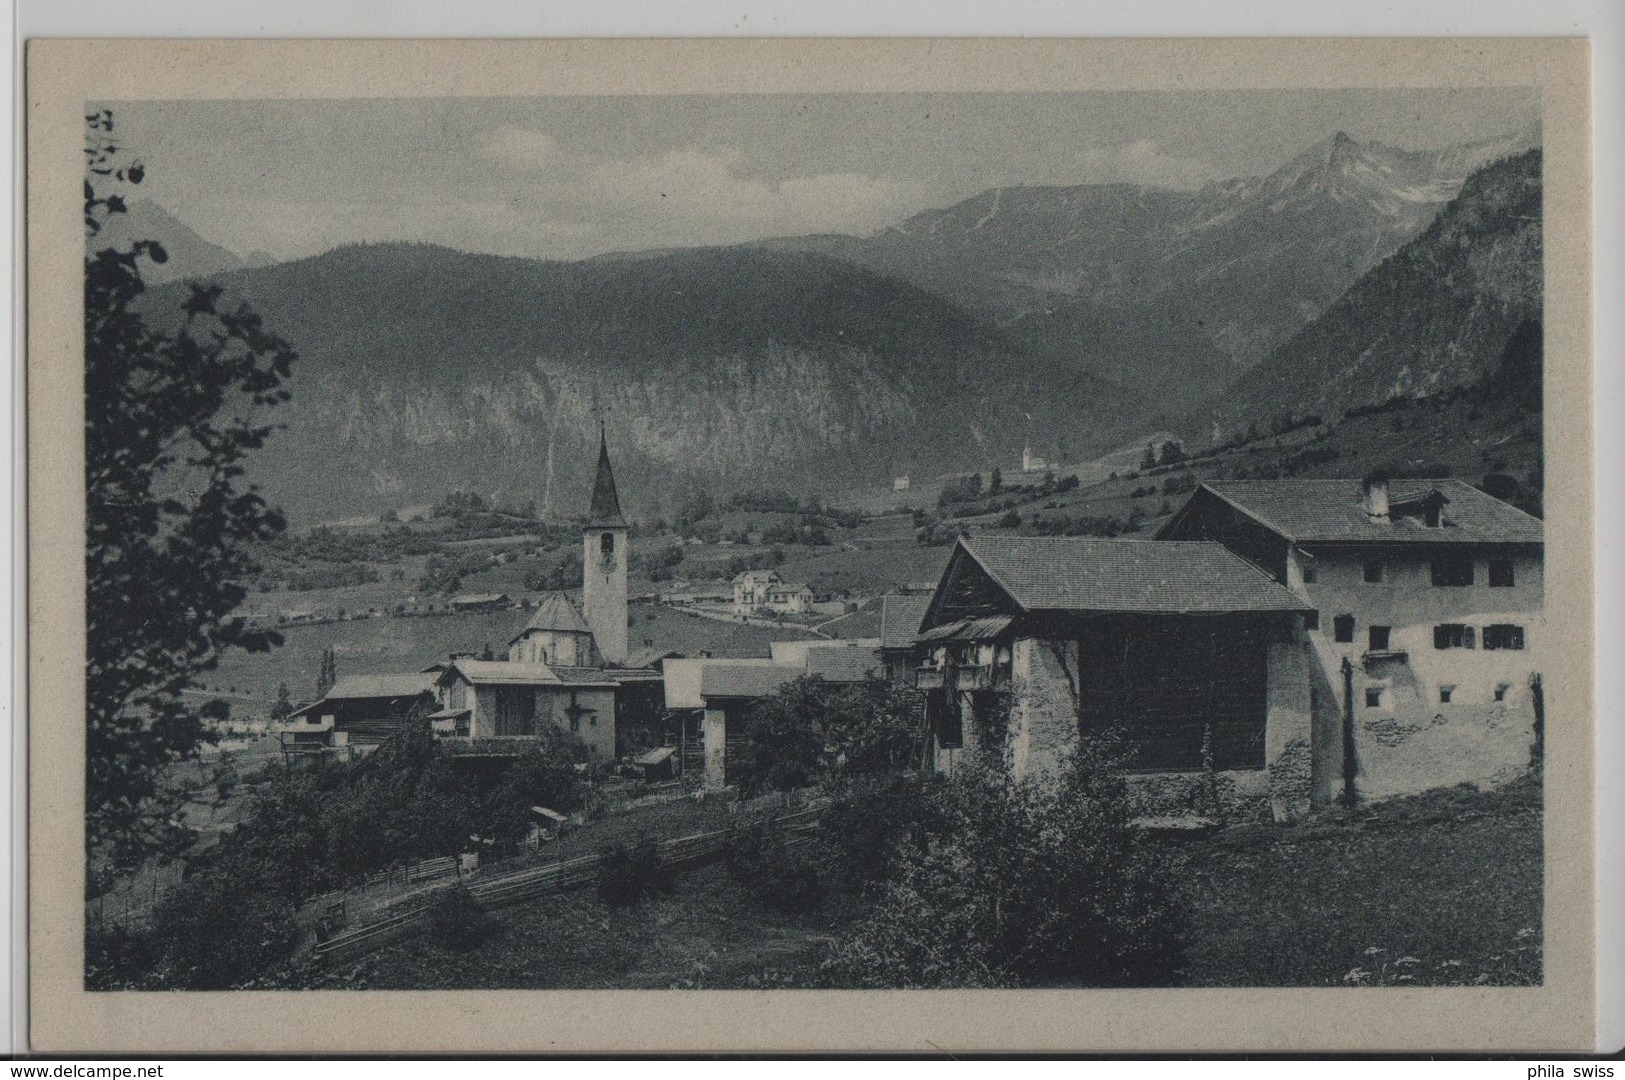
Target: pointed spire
605,511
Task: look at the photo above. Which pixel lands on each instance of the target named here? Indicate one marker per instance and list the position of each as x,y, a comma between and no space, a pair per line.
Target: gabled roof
1333,511
373,687
480,598
381,686
645,659
556,612
1077,574
739,681
843,663
757,575
900,618
605,510
510,673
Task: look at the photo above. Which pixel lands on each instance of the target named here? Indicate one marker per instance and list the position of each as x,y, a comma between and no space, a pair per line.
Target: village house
1424,627
900,617
709,700
1185,650
509,699
358,713
764,590
474,602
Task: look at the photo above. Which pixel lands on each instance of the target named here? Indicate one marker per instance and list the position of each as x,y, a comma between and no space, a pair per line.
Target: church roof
605,511
558,612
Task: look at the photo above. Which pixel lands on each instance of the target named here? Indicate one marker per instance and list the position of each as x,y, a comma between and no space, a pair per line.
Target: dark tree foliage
170,416
816,731
628,874
1042,881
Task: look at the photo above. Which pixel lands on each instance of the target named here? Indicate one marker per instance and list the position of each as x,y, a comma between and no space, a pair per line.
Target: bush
763,861
221,929
863,830
457,922
1036,881
629,874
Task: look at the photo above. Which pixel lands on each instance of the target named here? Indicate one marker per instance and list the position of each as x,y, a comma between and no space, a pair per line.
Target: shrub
1038,880
862,831
457,922
629,874
221,929
771,869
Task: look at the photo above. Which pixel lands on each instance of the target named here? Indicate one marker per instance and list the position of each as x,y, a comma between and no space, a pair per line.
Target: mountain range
1066,316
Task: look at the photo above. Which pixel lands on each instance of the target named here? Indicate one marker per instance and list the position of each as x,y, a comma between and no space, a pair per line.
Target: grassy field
1439,889
1450,879
705,933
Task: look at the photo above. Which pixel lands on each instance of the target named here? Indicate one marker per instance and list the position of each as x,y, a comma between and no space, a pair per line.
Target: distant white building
1031,462
765,590
901,483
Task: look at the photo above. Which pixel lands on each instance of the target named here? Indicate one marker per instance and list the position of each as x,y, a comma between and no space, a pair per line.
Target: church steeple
605,554
605,512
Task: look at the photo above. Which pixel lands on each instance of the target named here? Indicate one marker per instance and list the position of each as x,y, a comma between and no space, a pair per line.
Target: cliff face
422,370
1439,313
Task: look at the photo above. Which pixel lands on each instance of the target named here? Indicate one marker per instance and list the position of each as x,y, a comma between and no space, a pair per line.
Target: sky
572,177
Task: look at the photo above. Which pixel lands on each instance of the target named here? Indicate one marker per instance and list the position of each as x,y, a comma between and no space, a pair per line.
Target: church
566,668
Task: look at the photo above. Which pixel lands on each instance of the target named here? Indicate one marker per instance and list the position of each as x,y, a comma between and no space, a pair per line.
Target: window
1453,571
606,543
1377,637
1343,628
1444,694
1452,636
1500,691
1311,620
1501,576
1503,636
1309,572
1373,697
1373,572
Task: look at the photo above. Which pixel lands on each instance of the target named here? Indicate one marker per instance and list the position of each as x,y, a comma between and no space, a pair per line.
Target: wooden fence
539,881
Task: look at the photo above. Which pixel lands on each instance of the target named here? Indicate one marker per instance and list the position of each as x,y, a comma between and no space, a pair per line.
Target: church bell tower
604,555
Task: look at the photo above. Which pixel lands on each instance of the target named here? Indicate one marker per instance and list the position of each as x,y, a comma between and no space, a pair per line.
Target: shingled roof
754,681
900,618
381,686
1167,576
556,612
511,673
1333,511
836,663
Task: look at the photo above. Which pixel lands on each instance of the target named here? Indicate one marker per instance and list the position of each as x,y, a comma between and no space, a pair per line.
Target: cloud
710,198
575,204
1144,162
524,192
524,147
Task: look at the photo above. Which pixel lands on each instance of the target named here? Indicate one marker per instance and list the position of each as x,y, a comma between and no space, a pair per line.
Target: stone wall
1044,715
1483,744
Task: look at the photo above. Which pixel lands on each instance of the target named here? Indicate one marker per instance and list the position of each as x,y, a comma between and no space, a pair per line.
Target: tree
328,673
1020,881
284,703
813,730
1172,453
996,484
172,409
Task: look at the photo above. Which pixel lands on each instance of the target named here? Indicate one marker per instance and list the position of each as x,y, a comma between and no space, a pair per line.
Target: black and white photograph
1084,540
